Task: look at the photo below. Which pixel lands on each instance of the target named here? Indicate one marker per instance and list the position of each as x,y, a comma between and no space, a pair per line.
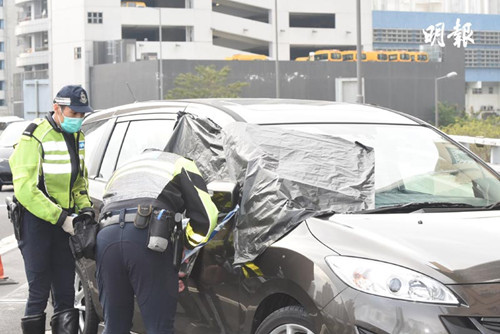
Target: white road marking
23,301
7,244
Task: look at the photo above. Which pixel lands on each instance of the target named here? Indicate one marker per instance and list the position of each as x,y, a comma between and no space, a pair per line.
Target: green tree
448,114
473,127
207,82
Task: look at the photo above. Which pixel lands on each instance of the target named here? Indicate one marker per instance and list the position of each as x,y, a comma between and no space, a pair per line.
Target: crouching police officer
50,182
134,251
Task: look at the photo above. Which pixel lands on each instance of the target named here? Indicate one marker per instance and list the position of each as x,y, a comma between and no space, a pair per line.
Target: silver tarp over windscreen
286,176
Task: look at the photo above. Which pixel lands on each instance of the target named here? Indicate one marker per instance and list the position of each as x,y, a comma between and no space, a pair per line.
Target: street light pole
160,65
436,110
276,63
359,98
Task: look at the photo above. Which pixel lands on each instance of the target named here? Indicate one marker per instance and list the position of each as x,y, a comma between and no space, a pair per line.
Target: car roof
9,119
271,111
280,111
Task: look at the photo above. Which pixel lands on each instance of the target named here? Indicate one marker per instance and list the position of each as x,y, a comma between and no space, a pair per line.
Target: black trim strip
197,180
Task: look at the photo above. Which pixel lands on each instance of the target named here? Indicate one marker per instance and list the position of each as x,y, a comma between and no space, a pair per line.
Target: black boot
33,324
65,322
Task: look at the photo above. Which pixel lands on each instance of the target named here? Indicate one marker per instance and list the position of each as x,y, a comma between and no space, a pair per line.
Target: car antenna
131,92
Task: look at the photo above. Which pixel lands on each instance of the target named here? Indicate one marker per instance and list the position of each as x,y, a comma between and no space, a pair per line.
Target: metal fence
492,143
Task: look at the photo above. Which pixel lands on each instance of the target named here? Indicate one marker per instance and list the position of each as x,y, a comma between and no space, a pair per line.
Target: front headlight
389,280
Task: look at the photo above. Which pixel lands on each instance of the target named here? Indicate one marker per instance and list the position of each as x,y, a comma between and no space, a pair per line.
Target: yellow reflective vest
164,180
48,171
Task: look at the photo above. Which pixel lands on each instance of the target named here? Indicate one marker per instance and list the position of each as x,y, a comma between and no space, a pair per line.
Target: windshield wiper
413,206
494,206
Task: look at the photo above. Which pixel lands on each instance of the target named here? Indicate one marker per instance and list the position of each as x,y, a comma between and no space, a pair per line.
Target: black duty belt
118,216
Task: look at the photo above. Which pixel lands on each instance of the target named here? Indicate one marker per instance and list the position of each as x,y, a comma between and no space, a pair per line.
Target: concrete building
45,52
404,30
3,86
61,51
30,40
12,50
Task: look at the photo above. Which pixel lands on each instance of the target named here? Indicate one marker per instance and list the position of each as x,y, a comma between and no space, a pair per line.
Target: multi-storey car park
52,52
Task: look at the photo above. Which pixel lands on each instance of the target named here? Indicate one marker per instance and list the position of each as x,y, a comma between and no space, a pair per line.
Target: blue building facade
403,30
395,30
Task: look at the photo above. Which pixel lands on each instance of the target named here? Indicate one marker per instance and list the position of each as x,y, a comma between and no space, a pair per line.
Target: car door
210,303
112,142
130,136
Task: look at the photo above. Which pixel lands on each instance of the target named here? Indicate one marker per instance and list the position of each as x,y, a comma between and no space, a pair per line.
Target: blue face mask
71,124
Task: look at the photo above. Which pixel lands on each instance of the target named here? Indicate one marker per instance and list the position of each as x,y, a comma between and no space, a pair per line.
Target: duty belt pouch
15,212
141,220
161,226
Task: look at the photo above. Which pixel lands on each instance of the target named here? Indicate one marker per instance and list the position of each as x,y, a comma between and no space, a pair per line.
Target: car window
142,135
93,137
129,139
112,151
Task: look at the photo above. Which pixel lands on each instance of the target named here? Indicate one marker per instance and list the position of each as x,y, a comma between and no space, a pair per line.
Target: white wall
204,21
484,99
70,30
345,24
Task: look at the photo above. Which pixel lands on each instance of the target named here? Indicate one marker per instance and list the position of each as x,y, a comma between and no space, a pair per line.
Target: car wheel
88,320
287,320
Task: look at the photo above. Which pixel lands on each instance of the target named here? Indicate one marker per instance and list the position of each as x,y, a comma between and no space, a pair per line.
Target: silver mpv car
422,256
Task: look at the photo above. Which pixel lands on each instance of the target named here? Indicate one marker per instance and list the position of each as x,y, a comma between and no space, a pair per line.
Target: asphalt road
12,296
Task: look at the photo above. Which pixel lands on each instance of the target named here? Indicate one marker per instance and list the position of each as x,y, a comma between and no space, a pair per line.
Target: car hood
455,248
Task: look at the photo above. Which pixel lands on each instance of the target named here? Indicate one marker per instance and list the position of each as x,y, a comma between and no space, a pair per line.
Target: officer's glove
67,226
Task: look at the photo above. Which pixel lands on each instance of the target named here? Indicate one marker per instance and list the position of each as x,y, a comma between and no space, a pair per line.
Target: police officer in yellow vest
50,182
134,251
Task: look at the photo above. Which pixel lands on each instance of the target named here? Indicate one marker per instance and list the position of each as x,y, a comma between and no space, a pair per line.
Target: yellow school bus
327,55
379,56
399,56
247,57
420,57
352,55
133,4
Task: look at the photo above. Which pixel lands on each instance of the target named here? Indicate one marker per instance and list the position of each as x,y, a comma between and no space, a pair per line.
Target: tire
286,320
88,320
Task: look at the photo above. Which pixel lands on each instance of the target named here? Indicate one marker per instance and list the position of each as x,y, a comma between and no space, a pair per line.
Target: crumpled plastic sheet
200,140
286,176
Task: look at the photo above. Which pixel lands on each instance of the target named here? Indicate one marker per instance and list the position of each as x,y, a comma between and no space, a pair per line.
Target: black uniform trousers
49,265
126,267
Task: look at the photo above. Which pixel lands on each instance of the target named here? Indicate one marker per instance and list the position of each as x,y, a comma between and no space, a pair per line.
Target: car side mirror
224,194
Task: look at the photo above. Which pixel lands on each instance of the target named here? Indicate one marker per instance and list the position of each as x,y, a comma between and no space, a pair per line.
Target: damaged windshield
414,164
